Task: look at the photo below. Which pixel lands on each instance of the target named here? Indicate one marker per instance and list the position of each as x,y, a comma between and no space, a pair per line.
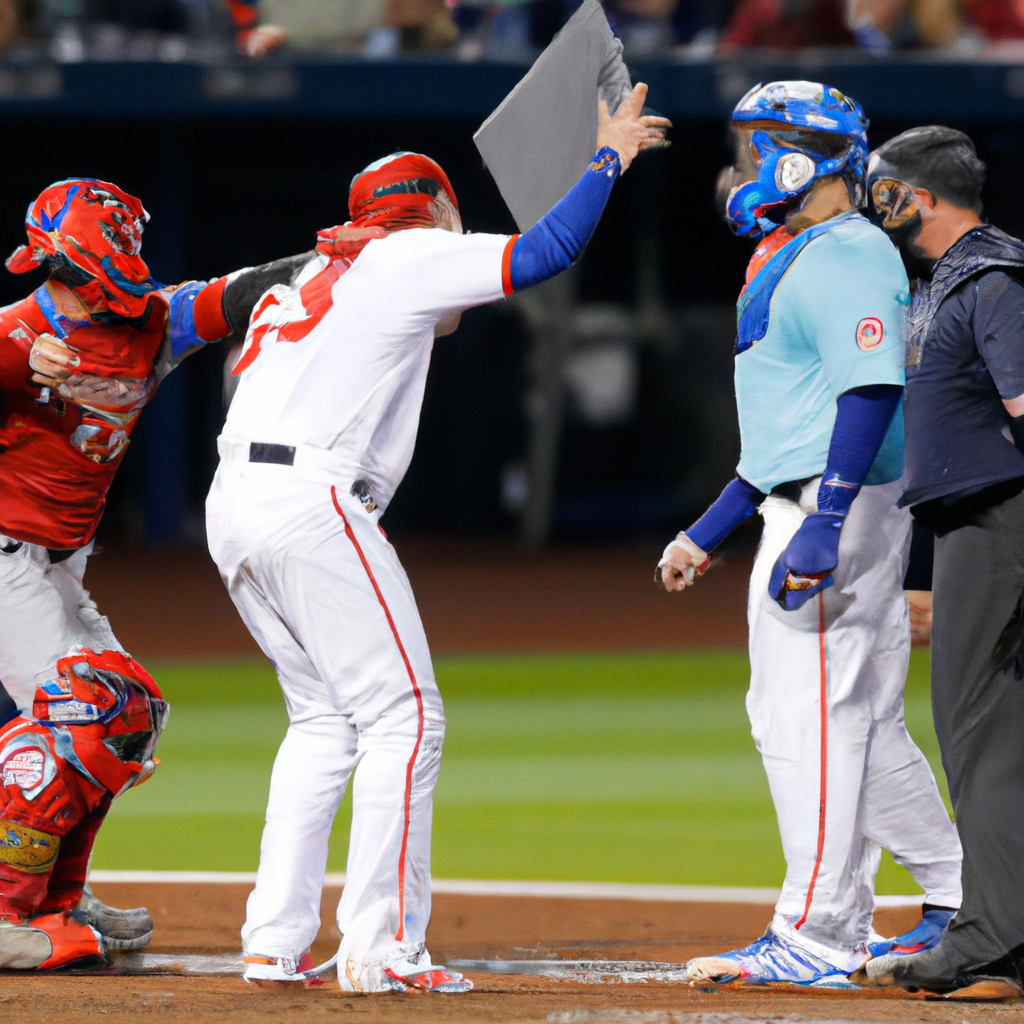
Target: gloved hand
805,567
682,562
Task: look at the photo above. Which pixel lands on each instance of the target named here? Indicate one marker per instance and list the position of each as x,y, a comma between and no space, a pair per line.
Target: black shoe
932,973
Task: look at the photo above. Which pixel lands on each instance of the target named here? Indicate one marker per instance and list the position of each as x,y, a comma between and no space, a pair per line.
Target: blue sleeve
863,416
738,502
181,321
556,241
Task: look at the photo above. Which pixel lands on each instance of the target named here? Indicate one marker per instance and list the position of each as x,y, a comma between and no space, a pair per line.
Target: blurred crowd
498,29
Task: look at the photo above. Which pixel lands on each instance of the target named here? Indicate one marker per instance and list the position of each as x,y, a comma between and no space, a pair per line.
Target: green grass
607,768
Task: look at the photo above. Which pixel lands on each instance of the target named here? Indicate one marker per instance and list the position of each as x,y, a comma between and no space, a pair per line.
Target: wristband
737,503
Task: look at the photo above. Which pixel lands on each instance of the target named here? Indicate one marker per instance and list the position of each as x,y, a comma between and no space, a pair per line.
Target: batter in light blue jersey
819,377
835,324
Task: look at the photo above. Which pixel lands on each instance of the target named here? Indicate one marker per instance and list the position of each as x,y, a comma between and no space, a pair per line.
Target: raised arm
557,240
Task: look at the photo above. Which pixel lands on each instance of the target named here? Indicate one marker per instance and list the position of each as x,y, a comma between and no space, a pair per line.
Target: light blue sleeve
852,295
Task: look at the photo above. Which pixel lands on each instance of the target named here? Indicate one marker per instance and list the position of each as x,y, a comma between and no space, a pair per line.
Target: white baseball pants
44,611
826,711
323,593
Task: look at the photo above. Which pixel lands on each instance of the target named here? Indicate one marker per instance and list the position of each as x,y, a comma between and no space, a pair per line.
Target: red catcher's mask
97,229
403,190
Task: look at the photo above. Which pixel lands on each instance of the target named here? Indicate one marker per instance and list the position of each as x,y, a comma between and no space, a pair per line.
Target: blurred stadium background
597,728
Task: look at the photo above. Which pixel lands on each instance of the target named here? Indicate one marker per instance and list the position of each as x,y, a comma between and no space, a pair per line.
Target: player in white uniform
319,435
819,374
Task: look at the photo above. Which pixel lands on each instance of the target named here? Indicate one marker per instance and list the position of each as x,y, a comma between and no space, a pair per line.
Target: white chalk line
485,887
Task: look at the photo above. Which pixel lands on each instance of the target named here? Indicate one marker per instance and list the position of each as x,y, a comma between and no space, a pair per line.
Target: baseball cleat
925,935
50,942
121,929
411,973
273,972
931,973
770,960
434,978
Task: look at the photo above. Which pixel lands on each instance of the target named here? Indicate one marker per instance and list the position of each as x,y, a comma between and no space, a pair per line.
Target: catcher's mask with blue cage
801,132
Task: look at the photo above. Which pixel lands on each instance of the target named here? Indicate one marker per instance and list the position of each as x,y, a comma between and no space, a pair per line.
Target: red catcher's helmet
97,229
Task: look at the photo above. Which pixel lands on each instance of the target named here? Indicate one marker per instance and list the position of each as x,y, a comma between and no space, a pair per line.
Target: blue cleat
769,960
924,936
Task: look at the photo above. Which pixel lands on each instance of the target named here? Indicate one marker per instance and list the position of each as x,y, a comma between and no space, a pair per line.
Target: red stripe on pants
823,791
350,533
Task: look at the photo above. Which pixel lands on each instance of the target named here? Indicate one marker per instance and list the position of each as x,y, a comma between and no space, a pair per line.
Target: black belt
284,455
275,454
792,489
56,555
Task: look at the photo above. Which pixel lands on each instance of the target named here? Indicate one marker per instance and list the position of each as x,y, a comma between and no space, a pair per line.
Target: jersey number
315,296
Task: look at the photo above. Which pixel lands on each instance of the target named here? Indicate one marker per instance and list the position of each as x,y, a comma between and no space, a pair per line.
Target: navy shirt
957,433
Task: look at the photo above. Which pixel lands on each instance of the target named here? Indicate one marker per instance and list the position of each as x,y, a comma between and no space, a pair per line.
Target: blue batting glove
805,567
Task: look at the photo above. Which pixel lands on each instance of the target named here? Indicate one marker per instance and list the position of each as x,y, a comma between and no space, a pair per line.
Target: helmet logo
869,333
793,172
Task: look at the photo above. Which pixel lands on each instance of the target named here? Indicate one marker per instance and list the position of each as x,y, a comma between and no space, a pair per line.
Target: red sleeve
208,312
506,265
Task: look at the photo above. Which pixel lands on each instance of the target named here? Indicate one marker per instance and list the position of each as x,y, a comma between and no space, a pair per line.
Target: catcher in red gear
79,358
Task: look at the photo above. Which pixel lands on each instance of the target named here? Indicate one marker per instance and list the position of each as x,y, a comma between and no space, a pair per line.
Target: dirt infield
206,918
474,596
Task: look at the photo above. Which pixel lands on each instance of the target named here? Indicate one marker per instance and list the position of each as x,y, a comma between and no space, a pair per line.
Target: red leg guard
67,879
73,943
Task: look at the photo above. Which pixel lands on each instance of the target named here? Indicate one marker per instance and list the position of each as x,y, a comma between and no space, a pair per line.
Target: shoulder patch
869,333
26,848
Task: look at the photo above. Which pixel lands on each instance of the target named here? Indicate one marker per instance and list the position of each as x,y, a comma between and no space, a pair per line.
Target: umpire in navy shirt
964,419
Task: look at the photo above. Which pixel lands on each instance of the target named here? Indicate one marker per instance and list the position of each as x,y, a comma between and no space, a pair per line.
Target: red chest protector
58,455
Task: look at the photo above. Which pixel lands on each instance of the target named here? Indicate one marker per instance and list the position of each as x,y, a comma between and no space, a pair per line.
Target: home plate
168,964
586,972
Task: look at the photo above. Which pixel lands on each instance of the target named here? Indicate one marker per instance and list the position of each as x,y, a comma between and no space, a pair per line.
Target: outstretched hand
628,131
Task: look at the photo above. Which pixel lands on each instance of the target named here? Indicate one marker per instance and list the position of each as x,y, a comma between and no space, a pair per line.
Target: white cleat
769,960
274,972
412,973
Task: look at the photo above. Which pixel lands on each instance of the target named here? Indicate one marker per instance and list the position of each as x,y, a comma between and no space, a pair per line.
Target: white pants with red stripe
826,711
324,595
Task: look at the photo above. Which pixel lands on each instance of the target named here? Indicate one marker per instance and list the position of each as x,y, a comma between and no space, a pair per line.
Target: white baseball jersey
335,366
346,373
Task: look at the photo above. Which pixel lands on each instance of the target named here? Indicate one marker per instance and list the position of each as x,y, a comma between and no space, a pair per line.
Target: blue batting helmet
788,163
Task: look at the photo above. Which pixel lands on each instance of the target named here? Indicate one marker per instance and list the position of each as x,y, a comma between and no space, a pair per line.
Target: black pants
979,717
